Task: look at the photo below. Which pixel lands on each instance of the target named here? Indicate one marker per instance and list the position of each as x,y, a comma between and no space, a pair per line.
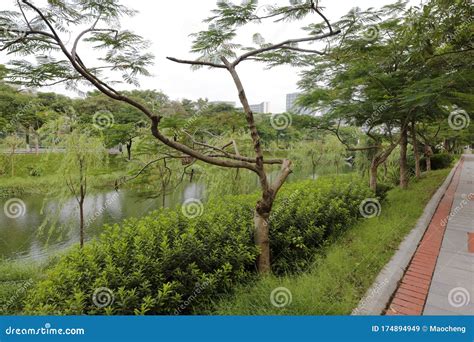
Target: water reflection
26,237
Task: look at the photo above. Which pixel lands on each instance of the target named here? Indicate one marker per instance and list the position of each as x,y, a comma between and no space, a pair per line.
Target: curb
378,296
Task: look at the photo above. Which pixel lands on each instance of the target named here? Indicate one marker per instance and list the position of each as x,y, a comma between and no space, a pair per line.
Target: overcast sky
167,25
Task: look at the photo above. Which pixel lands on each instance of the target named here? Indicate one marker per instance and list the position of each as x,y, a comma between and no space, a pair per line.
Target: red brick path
411,295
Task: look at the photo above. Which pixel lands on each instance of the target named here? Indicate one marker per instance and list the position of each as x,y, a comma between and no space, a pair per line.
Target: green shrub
307,214
152,265
34,171
439,161
165,263
382,190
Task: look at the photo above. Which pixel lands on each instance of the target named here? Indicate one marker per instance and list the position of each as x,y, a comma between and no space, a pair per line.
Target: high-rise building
292,107
260,108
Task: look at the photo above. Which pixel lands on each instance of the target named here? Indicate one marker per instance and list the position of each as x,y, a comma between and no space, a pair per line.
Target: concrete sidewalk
451,291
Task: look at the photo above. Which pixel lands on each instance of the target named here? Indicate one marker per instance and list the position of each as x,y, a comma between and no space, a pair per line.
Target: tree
218,51
82,154
32,29
389,70
13,143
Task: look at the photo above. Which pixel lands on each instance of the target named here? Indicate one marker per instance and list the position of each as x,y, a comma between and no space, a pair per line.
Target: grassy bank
35,172
16,278
344,271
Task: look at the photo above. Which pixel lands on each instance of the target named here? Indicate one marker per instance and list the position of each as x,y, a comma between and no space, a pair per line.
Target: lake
24,238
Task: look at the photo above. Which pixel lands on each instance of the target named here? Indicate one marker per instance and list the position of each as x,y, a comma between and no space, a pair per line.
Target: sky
167,25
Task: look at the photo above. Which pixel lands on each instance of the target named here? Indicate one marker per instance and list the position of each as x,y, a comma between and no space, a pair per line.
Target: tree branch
183,61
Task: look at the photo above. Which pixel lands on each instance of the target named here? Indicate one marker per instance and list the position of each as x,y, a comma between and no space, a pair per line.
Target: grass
333,284
44,166
15,280
343,272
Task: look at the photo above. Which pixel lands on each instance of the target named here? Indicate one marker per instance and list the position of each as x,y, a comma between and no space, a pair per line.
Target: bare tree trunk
163,196
373,175
446,144
428,154
27,138
415,150
261,218
37,143
81,215
129,149
12,160
403,159
262,234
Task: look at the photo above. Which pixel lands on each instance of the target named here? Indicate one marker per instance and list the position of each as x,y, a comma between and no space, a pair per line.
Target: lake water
23,238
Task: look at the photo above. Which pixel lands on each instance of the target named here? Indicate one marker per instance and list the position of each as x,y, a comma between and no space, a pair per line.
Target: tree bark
403,159
12,160
261,219
81,214
428,154
129,149
373,175
415,150
262,235
37,143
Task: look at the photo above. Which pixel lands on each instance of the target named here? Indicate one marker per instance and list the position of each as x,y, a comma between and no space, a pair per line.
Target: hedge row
166,263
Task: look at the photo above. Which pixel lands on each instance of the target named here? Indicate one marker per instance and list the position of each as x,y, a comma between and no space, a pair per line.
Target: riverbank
34,173
335,280
341,274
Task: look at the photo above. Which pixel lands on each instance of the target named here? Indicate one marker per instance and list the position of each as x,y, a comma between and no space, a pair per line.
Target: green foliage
154,265
382,190
440,161
16,278
343,272
119,51
305,216
157,262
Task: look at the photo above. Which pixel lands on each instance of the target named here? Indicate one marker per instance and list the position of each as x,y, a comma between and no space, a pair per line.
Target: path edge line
378,295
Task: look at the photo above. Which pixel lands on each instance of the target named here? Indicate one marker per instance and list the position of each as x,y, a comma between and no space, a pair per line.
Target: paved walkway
452,287
440,277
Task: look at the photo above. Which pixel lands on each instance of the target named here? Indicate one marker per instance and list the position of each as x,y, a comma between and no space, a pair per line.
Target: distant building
260,108
292,107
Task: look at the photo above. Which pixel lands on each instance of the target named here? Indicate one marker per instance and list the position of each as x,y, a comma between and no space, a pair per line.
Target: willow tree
82,154
47,31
